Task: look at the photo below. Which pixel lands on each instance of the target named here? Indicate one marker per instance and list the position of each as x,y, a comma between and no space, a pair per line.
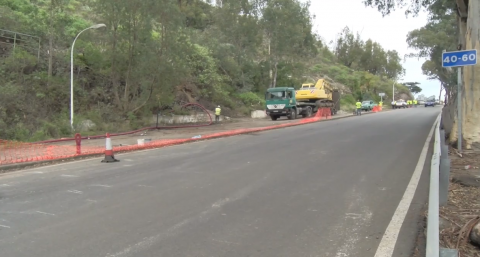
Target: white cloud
390,31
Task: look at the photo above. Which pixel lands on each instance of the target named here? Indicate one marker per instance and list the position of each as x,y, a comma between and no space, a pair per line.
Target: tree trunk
471,74
274,83
440,94
470,31
50,56
447,96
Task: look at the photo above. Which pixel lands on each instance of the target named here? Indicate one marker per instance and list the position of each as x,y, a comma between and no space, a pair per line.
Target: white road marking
389,239
75,191
73,176
101,186
3,226
46,213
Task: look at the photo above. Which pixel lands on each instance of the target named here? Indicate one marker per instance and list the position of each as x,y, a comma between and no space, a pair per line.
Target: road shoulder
412,240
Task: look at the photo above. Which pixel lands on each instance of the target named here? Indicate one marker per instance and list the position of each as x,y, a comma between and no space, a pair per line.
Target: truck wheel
273,117
292,115
308,112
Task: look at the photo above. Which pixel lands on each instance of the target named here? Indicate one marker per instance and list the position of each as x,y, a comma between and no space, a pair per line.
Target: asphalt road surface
323,189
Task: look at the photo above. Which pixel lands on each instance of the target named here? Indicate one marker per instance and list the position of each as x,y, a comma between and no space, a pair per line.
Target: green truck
281,101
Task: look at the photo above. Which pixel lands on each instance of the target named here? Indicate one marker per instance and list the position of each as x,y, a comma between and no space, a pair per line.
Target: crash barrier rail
207,122
438,195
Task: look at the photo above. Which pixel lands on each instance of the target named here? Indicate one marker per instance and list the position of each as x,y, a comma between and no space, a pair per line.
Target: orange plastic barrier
12,152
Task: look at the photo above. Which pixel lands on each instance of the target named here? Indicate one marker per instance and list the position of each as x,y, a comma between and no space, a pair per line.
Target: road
323,189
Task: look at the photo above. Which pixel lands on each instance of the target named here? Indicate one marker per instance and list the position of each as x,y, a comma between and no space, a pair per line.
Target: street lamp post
96,26
393,91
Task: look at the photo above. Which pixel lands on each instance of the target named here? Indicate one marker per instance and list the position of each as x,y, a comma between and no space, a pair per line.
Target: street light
96,26
393,89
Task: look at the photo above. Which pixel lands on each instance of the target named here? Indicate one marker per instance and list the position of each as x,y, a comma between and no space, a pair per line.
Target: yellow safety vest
381,104
359,105
414,101
217,111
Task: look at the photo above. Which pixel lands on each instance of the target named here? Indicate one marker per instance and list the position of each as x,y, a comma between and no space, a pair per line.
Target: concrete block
259,114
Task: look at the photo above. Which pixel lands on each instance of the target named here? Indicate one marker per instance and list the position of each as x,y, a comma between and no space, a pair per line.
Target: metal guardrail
438,195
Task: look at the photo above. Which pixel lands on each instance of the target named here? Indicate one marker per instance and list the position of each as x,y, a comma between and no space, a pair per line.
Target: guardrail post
442,137
444,170
444,180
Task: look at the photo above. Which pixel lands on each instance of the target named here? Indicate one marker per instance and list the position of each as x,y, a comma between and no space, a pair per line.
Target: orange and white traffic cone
109,157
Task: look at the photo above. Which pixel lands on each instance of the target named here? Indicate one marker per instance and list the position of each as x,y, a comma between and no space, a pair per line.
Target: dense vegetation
156,54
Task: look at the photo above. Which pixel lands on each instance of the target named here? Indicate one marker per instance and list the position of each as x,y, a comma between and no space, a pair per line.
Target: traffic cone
109,151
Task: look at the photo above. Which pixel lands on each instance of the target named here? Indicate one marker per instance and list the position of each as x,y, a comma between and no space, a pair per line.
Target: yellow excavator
321,93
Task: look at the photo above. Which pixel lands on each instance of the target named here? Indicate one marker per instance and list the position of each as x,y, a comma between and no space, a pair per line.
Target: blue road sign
459,58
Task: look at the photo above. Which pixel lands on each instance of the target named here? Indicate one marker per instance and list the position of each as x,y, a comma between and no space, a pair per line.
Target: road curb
26,165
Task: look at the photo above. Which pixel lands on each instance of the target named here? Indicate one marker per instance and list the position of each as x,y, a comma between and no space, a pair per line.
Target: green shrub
250,98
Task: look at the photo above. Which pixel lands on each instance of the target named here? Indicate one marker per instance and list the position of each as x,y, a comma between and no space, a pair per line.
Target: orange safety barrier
12,152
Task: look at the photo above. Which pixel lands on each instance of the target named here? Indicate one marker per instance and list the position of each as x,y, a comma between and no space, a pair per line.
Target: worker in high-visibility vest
380,103
394,103
217,113
358,104
415,103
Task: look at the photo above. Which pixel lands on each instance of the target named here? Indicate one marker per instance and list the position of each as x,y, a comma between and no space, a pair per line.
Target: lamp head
97,26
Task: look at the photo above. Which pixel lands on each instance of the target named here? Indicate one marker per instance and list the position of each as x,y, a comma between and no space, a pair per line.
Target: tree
440,33
468,24
287,28
349,48
352,52
413,87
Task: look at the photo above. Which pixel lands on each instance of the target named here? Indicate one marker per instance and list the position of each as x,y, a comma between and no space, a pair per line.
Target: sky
389,31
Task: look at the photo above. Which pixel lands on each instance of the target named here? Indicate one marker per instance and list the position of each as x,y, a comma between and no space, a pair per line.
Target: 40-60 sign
459,58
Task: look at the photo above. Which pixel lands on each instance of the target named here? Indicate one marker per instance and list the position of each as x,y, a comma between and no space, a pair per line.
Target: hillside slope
155,55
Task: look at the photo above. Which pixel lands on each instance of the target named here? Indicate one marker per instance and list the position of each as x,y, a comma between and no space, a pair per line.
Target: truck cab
281,101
